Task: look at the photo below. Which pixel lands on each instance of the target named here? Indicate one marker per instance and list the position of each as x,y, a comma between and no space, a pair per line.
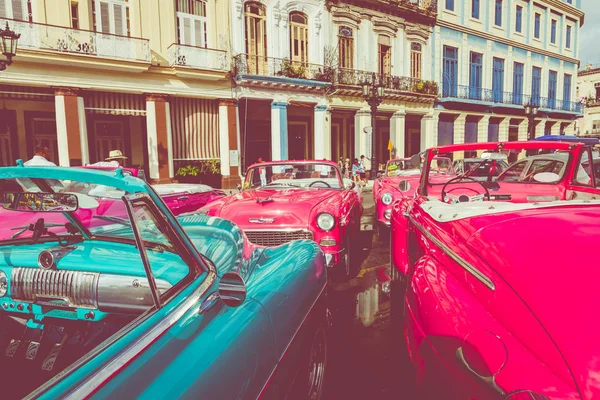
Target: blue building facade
490,58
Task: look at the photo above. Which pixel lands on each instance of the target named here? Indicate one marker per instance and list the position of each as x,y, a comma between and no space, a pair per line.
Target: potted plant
207,172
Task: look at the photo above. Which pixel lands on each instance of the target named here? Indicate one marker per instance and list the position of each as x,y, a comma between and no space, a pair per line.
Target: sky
589,50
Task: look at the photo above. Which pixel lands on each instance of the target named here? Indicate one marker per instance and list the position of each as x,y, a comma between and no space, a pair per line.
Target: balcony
417,11
76,41
198,57
506,99
394,85
592,102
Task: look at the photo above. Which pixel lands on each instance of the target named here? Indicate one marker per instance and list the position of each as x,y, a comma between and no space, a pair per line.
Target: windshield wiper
31,227
118,220
39,228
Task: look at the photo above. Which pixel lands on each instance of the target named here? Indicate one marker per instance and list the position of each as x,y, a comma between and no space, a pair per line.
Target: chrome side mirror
232,289
404,186
350,185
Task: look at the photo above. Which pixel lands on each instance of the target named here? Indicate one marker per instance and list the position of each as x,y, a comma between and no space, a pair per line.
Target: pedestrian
341,164
363,174
115,159
356,170
348,169
40,158
367,166
262,172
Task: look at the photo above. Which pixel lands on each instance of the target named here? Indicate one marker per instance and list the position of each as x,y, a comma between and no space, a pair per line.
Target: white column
429,127
482,129
85,150
322,133
61,131
279,133
362,120
398,132
169,140
224,140
539,128
152,139
503,130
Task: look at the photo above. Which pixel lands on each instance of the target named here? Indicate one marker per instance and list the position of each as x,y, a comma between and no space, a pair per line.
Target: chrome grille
75,287
271,238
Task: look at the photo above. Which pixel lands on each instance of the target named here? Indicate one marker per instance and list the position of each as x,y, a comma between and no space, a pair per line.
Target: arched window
346,47
256,37
415,60
298,37
385,54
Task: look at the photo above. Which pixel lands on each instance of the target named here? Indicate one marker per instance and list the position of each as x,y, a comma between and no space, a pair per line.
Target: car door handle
183,198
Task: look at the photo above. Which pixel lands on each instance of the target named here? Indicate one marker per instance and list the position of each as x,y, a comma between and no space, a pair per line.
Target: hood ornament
264,200
261,220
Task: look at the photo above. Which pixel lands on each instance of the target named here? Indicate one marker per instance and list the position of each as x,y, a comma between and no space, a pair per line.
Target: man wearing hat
114,159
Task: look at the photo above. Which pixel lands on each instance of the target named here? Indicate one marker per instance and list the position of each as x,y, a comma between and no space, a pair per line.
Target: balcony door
15,9
552,89
256,38
518,83
298,38
111,16
385,55
108,135
42,132
191,23
536,85
567,93
498,81
450,78
475,76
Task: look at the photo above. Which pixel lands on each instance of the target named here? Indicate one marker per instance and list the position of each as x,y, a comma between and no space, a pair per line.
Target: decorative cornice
384,25
508,42
66,91
567,8
344,15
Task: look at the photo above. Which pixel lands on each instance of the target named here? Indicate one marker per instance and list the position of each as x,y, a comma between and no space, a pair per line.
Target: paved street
361,361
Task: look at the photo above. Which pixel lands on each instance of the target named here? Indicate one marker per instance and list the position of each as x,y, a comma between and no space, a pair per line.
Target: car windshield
540,166
101,211
395,167
293,175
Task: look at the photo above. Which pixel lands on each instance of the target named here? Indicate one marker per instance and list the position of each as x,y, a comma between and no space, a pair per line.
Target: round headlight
325,221
3,283
387,198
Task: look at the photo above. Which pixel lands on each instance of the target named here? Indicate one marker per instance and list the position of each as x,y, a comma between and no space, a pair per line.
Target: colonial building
147,77
588,89
493,57
298,70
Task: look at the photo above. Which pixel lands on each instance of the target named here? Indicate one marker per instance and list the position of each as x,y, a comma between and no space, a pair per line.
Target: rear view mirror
415,161
39,202
404,186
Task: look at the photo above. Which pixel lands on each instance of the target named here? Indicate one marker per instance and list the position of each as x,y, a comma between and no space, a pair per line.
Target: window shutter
119,14
17,10
104,16
3,10
187,31
199,31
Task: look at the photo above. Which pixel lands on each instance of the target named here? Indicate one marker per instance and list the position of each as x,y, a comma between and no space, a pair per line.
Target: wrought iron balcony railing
69,40
591,102
513,98
249,64
198,57
353,77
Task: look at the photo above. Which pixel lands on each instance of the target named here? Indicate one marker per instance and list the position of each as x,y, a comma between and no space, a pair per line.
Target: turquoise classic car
105,294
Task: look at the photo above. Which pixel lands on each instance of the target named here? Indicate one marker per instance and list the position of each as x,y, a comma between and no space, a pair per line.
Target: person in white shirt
115,159
40,158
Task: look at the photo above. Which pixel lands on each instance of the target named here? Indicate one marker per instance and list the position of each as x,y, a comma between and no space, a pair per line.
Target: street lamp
373,94
531,111
8,46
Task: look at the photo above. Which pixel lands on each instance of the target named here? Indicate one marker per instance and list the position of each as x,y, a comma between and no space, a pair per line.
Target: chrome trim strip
480,276
287,230
96,380
292,340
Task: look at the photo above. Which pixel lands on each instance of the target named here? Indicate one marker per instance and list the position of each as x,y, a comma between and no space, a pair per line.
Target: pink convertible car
282,201
494,281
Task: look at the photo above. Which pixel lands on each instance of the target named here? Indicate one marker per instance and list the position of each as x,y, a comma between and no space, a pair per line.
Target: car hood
287,208
548,257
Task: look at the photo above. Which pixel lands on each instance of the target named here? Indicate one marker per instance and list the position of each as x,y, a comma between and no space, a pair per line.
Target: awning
195,128
26,93
114,103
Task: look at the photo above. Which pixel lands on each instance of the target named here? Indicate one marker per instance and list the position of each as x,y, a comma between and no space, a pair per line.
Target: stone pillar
523,130
228,144
459,133
429,125
503,130
398,132
482,129
539,128
279,131
322,133
71,127
362,120
160,148
555,128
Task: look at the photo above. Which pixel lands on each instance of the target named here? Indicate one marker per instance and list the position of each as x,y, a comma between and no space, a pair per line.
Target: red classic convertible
493,281
286,200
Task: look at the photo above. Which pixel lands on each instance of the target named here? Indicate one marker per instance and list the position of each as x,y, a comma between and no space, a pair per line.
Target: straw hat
115,155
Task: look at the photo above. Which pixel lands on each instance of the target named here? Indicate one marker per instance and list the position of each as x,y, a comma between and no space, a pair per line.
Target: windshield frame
572,148
254,167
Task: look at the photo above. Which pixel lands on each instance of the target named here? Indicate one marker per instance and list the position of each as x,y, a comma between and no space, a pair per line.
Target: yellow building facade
147,77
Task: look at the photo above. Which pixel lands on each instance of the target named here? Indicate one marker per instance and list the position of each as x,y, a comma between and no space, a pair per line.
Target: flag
390,147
